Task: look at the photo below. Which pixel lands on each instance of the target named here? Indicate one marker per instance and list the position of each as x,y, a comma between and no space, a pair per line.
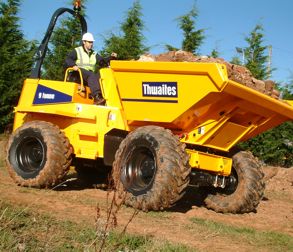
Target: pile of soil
279,179
236,73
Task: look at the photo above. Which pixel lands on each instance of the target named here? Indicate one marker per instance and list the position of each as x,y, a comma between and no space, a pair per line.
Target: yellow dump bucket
197,101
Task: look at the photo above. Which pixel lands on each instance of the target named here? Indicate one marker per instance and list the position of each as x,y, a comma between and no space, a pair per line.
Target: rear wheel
244,195
151,167
38,155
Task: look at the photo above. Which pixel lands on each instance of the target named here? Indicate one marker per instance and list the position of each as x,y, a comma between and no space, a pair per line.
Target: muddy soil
77,201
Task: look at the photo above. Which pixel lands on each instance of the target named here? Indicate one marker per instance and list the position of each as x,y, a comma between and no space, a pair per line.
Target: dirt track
78,202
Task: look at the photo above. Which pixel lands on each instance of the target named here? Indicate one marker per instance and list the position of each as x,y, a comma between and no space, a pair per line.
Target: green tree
192,38
235,60
15,60
65,38
129,45
287,89
274,147
170,48
255,54
215,53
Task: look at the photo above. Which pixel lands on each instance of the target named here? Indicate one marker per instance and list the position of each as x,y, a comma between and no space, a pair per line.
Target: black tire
245,195
152,168
38,155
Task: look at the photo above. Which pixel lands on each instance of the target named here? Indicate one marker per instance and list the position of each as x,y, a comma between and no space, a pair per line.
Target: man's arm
70,59
105,61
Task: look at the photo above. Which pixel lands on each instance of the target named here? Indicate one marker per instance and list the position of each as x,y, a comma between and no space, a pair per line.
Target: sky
226,24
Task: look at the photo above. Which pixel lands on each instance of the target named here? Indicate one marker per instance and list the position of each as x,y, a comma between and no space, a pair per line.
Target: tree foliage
255,54
274,147
215,53
170,48
15,60
193,38
236,61
129,45
287,89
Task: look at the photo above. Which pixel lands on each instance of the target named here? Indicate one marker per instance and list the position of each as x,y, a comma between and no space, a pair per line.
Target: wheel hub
30,154
139,170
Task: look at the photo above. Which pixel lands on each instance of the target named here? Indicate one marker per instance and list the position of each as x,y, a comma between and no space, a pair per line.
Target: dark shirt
71,58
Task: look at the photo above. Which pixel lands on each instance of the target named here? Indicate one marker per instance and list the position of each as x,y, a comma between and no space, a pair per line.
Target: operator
85,59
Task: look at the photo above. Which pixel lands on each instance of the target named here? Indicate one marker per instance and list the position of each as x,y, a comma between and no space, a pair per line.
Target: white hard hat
88,37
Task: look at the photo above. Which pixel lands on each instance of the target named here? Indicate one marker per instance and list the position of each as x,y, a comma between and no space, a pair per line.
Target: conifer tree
235,60
129,45
255,54
215,53
193,38
274,147
170,48
15,60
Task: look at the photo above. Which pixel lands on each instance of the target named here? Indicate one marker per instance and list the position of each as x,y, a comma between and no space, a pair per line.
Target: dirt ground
78,202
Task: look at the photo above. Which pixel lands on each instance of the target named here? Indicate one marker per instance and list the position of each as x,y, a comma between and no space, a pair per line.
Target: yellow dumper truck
165,125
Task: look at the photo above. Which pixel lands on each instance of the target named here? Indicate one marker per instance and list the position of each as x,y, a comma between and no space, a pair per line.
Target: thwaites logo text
160,89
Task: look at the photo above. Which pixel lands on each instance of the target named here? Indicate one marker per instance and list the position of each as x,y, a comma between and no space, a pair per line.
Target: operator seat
73,76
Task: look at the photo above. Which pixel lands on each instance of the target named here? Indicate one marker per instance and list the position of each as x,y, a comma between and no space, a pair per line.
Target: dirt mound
279,179
236,73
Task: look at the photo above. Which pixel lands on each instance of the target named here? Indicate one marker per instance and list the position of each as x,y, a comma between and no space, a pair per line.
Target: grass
262,240
27,231
22,229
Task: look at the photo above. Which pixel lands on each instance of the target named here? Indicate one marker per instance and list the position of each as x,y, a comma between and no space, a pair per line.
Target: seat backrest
73,76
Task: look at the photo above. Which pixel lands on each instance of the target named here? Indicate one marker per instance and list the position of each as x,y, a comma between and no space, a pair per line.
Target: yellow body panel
196,101
195,82
83,123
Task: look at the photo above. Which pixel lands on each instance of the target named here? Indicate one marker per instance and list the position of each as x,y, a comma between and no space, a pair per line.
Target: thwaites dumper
164,126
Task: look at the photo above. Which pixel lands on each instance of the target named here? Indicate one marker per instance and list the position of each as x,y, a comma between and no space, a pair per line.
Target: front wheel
151,167
244,195
38,155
